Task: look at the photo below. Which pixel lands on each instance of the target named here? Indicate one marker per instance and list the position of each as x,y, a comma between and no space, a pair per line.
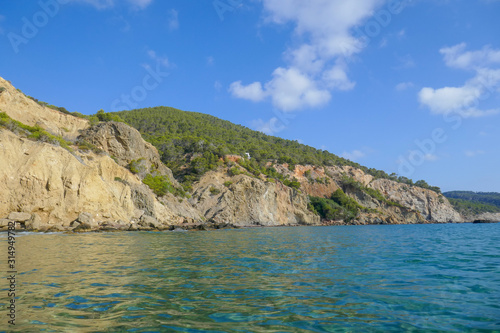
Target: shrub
159,184
214,191
228,183
234,171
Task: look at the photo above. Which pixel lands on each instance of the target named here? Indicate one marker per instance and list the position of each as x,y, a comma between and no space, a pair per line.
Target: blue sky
411,87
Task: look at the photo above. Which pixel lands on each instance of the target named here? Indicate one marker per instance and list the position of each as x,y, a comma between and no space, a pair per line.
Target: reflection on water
322,279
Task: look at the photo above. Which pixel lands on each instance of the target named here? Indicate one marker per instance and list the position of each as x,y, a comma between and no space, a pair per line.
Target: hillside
470,203
66,171
190,143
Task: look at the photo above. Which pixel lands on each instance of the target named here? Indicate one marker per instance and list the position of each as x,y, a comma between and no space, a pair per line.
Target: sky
407,86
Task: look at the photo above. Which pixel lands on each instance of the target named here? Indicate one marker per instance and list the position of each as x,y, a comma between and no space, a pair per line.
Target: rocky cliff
402,203
97,180
88,185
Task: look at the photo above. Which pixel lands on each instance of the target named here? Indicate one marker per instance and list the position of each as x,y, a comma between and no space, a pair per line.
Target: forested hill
180,135
485,198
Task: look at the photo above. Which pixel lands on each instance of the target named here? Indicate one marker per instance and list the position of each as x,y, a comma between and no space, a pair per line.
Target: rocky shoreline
25,222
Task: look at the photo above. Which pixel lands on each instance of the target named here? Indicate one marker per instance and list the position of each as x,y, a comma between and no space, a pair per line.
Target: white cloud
290,89
316,65
270,127
173,20
465,99
354,155
252,92
404,86
473,153
457,57
430,157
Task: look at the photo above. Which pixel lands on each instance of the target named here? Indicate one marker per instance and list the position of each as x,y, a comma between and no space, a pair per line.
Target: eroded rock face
249,201
125,144
18,107
434,207
61,187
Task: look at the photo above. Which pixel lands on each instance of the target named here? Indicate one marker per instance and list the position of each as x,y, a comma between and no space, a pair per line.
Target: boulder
34,223
19,217
86,221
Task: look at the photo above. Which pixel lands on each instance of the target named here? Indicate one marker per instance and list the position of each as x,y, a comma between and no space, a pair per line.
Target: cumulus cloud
252,92
316,66
465,99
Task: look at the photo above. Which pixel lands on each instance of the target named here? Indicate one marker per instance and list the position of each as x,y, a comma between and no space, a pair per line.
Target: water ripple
436,278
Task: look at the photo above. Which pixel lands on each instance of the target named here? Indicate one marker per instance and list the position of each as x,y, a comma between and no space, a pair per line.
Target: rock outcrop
14,103
125,144
47,187
247,201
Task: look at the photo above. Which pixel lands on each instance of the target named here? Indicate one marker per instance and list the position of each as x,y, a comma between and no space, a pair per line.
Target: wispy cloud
466,98
270,127
354,155
2,18
159,59
404,86
473,153
106,4
173,20
405,62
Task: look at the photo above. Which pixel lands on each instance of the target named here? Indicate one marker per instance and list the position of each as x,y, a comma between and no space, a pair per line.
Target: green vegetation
467,202
159,184
228,183
2,89
182,136
34,133
338,207
488,198
214,191
470,207
135,166
102,116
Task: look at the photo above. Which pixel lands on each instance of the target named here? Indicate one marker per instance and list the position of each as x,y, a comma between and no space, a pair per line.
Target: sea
379,278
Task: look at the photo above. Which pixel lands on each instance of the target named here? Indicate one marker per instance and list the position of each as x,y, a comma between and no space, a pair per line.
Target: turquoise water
305,279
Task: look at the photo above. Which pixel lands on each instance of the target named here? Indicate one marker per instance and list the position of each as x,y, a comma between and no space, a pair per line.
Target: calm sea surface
306,279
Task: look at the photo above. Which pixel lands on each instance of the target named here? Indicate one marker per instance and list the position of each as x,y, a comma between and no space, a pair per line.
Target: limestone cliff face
247,201
125,144
47,187
434,207
415,204
20,108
